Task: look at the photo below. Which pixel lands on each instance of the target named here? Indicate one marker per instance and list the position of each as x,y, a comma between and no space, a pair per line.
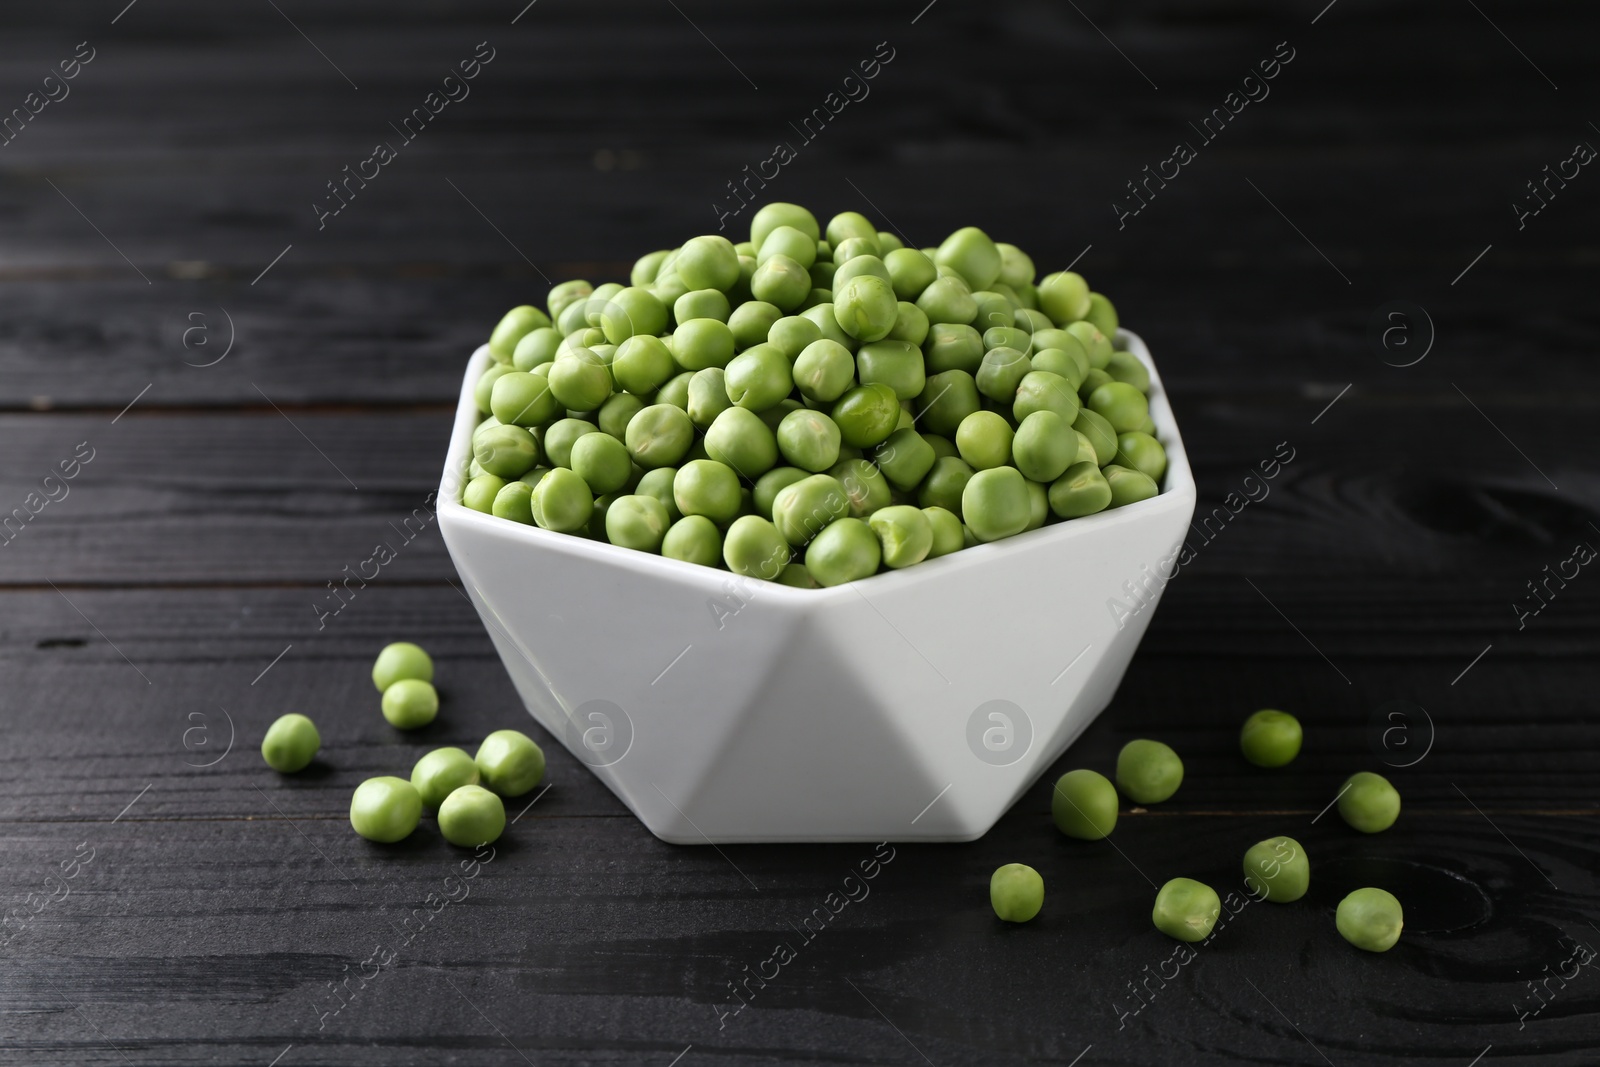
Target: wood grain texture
167,604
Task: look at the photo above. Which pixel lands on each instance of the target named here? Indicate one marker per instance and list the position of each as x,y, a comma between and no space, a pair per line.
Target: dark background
140,612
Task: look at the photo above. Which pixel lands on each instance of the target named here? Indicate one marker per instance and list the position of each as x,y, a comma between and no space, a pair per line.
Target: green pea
536,348
947,399
643,364
693,539
1016,269
1127,367
510,763
826,321
948,533
1277,869
1143,453
910,324
942,446
514,501
291,743
984,440
1100,434
904,534
601,461
889,242
970,251
708,396
754,548
758,377
1270,738
776,214
1103,314
1128,486
524,399
897,364
1094,343
1368,802
1007,337
751,321
995,503
846,550
1030,321
1000,372
1148,772
1370,919
561,435
385,809
566,294
471,817
507,451
739,438
848,224
562,501
483,391
398,661
865,308
633,311
594,308
1071,366
866,415
1064,296
658,436
702,343
410,703
945,484
948,300
708,262
479,493
792,334
1084,805
856,248
824,370
1092,381
863,484
647,266
1186,909
910,272
440,773
861,265
1038,505
770,484
788,241
904,458
781,282
1044,446
803,509
707,487
580,380
809,440
617,412
676,390
796,575
1041,390
657,483
637,521
1016,892
517,323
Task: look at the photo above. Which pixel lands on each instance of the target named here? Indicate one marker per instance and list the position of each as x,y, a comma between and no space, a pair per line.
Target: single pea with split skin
1186,909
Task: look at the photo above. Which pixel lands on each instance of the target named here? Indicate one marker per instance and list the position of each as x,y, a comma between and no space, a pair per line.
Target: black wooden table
249,388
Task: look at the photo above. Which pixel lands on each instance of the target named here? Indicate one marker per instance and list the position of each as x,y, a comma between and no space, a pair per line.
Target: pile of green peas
815,404
464,790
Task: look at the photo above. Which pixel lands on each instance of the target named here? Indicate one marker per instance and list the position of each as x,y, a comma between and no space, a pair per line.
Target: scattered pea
410,703
1370,919
441,772
291,743
1368,802
1270,738
510,763
471,816
1148,772
1277,869
1186,909
385,809
1084,805
1016,892
400,660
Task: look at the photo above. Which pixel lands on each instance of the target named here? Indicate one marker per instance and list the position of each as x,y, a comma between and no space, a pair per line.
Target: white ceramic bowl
912,705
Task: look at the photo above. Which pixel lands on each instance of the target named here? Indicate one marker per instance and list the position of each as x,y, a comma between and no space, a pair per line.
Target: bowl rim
1178,491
